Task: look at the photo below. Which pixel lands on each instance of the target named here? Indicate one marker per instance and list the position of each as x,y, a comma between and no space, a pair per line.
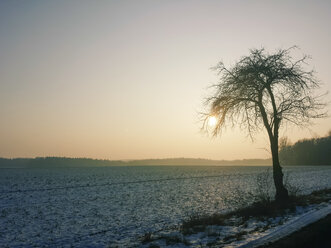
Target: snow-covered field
239,233
115,206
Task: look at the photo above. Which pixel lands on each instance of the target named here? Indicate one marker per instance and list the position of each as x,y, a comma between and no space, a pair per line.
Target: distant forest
55,162
52,162
315,151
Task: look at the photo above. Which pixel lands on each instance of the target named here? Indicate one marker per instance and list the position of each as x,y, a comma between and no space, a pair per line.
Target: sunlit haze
127,79
212,121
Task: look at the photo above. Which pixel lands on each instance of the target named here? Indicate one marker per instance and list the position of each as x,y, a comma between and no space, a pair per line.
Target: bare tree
264,90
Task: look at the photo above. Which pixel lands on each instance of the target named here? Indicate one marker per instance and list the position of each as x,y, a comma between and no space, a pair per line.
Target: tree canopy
264,90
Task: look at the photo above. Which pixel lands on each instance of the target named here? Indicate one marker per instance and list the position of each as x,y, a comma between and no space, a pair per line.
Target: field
116,206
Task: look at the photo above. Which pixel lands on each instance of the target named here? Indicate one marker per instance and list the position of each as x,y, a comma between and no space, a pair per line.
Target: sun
212,121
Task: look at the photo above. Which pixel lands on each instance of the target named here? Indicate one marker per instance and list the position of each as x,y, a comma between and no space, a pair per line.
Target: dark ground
316,235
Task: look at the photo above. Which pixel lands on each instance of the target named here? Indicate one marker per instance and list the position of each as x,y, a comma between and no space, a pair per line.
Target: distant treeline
304,152
55,162
307,152
52,162
199,161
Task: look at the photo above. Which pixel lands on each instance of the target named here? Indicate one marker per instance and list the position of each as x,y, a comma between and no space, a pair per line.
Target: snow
116,206
291,226
254,232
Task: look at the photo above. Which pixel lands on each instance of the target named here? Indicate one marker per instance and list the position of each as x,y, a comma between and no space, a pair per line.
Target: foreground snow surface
243,234
116,206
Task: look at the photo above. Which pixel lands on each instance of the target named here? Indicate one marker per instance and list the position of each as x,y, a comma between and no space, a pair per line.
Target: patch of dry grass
259,209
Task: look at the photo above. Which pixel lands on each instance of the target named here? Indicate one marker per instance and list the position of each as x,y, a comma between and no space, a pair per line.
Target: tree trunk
281,191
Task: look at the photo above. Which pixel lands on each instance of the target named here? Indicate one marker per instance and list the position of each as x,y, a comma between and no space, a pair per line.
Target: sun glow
212,121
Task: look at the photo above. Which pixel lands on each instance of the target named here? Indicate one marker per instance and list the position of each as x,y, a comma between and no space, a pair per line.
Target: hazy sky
126,79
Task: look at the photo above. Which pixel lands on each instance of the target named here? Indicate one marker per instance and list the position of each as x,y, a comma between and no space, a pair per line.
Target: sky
127,79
